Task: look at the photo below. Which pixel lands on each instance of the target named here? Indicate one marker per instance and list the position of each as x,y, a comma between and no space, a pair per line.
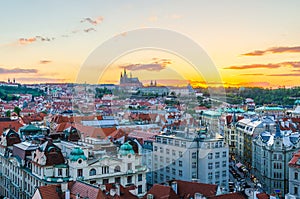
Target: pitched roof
294,162
162,192
190,188
262,196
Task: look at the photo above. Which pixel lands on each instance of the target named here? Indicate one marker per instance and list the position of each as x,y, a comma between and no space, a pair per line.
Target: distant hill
8,93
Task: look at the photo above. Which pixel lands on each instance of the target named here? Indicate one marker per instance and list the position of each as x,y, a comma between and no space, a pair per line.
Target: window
174,171
176,143
180,172
161,149
173,152
173,162
217,165
224,154
129,179
180,163
118,180
155,148
59,172
170,142
194,165
295,190
92,172
210,155
117,169
210,165
194,155
79,172
217,175
210,175
168,160
168,169
223,163
223,173
183,144
164,141
105,181
167,151
140,177
140,189
180,153
161,177
217,155
129,166
105,170
155,158
296,175
161,159
194,175
158,140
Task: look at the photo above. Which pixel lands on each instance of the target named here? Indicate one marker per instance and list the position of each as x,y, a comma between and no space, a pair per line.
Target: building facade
190,156
271,155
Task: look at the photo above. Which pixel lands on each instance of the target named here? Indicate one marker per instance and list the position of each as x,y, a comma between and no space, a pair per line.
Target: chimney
150,196
112,192
174,186
67,194
118,189
64,187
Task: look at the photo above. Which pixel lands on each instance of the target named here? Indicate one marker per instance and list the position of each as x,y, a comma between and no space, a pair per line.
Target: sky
250,43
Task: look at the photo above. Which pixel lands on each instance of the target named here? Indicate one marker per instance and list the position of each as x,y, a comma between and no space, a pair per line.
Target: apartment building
190,156
271,155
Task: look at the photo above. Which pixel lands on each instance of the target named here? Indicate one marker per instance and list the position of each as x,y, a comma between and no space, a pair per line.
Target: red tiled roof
294,160
13,124
162,192
262,196
185,188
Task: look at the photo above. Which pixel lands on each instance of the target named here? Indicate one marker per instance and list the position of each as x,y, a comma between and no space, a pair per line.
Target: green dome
297,102
126,149
76,154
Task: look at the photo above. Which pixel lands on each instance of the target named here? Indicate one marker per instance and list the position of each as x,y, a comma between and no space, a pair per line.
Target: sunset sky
252,43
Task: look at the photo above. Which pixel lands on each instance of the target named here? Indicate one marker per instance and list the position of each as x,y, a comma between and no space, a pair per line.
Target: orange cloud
45,61
294,49
291,64
157,65
24,41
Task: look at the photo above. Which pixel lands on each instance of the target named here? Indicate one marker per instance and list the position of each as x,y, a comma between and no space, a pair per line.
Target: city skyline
251,43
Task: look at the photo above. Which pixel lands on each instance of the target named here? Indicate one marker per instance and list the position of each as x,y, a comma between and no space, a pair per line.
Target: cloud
157,65
45,61
286,75
26,41
41,38
294,64
17,70
94,22
89,29
40,79
253,74
294,49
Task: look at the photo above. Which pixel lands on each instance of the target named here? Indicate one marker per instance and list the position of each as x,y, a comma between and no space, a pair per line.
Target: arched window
92,172
117,169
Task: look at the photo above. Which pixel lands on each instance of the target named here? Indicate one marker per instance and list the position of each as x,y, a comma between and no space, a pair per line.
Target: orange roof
262,196
294,161
10,124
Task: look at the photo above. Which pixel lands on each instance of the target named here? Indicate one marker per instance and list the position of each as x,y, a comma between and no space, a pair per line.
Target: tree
17,110
7,113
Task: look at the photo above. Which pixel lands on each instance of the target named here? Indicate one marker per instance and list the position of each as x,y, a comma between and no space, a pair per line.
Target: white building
190,156
271,155
89,163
